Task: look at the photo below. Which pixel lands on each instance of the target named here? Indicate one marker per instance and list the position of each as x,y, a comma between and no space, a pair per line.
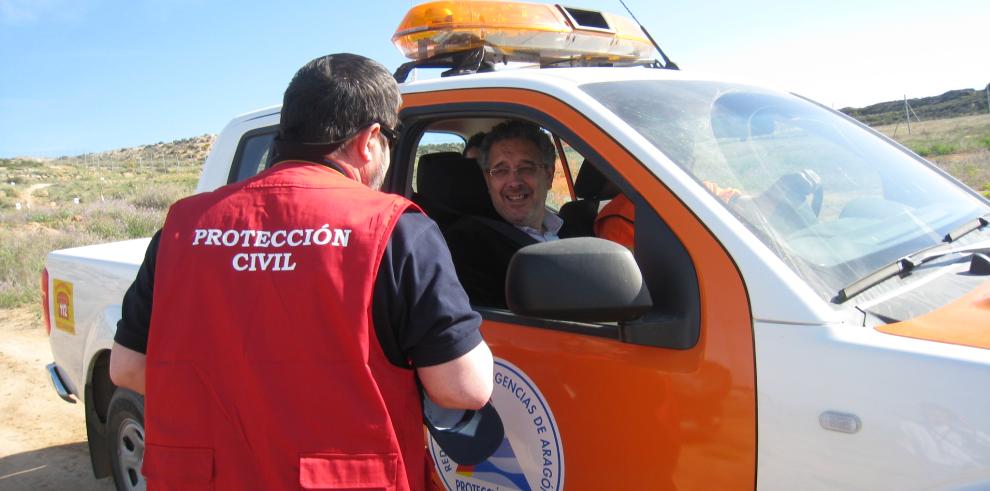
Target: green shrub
159,197
943,148
118,220
7,194
21,163
58,218
933,149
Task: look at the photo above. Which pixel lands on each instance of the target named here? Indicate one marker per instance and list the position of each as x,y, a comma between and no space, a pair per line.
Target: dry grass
22,255
965,134
67,205
960,146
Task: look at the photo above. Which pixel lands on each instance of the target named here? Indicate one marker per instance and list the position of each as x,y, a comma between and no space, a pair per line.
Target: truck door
663,402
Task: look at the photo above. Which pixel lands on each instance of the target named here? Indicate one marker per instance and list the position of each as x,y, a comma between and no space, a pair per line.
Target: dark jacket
481,249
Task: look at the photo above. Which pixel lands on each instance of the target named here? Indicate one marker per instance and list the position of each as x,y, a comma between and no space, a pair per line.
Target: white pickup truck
823,324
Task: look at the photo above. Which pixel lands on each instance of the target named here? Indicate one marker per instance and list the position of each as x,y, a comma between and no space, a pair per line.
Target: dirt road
28,195
42,437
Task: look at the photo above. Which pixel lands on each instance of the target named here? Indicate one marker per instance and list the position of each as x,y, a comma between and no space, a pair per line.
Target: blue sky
82,76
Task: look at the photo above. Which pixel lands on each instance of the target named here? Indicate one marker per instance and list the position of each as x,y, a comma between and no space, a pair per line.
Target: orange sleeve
724,194
615,222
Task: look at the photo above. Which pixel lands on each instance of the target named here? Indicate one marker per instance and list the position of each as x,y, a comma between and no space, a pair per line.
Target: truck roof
550,80
530,77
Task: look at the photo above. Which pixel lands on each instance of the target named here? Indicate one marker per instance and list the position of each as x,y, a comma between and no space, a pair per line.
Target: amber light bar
519,31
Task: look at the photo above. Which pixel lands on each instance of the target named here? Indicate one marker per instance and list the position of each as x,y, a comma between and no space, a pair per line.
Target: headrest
591,184
455,182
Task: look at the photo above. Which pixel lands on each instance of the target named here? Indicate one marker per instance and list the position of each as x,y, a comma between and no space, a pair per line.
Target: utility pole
907,114
988,98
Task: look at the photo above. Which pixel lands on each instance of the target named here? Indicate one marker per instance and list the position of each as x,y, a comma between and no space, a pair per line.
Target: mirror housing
583,279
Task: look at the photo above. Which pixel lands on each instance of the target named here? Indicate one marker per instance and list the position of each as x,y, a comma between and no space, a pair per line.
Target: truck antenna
666,61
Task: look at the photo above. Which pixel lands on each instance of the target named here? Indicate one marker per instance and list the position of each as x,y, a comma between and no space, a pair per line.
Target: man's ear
364,143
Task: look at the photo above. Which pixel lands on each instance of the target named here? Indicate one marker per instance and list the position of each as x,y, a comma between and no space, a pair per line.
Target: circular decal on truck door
531,457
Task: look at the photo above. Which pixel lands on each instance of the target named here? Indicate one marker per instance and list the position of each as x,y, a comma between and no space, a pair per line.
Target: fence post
907,114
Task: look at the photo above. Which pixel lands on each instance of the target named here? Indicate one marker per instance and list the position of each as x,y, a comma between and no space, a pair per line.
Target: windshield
832,200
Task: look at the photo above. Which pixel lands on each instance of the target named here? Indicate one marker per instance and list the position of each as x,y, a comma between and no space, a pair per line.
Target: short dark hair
334,96
474,141
518,129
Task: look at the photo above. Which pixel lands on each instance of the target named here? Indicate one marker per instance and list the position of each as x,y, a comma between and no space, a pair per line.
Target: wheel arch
98,391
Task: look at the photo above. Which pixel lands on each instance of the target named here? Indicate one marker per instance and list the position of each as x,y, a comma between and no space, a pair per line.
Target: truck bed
95,278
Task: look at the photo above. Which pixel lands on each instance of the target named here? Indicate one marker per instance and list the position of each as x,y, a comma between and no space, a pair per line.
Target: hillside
952,104
187,149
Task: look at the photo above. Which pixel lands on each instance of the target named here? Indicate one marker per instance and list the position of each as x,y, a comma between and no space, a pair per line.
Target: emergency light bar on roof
470,36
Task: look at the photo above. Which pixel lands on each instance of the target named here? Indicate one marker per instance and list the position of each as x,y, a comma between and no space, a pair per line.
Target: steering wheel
779,207
794,188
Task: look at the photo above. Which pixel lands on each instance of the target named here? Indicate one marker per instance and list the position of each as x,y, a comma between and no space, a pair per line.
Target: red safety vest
263,367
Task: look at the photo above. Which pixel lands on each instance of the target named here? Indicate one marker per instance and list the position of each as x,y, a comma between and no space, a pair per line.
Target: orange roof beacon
826,327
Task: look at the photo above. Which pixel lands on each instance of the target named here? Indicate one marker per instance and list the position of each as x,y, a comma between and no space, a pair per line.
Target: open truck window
451,188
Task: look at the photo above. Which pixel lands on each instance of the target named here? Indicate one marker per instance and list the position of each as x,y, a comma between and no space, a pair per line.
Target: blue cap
467,437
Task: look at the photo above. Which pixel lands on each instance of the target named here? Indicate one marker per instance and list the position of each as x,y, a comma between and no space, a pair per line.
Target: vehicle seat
591,188
450,186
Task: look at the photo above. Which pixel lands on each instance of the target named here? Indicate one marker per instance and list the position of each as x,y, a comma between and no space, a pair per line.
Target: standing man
293,311
517,159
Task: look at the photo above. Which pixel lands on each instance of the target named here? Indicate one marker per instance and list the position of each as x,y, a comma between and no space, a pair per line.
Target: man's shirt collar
551,226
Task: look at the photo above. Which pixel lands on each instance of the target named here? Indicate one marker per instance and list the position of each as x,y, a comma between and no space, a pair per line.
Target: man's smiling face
518,181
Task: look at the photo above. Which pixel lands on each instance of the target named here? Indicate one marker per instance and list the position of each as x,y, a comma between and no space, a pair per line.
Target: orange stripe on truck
964,322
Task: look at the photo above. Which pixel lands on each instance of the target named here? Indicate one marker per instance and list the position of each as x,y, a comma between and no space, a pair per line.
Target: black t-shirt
420,312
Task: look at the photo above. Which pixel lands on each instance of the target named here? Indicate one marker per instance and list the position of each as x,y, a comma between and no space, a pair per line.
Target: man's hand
127,368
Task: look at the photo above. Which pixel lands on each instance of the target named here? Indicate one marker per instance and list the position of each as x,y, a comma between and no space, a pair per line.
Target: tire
125,439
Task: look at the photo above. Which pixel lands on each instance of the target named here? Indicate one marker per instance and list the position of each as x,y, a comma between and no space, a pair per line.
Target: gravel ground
42,437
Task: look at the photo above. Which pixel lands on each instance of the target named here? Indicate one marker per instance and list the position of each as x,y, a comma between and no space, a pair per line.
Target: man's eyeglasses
390,134
523,171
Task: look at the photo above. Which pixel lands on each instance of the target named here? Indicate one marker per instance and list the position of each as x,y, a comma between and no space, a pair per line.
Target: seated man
517,159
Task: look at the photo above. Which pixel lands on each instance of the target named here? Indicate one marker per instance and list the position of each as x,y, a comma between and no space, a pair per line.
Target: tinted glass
255,155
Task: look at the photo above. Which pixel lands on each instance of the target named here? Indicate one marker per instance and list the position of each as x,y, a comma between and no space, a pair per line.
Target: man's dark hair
518,129
474,141
334,96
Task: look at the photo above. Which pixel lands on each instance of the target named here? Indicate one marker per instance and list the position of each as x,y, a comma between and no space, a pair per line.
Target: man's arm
127,368
127,359
424,320
462,383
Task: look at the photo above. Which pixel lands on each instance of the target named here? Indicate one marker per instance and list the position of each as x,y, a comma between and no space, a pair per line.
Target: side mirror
583,279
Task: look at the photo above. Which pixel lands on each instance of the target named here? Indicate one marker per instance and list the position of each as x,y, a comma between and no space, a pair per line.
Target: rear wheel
125,434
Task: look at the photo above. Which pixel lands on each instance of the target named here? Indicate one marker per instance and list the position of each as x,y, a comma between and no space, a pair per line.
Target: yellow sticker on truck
62,303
